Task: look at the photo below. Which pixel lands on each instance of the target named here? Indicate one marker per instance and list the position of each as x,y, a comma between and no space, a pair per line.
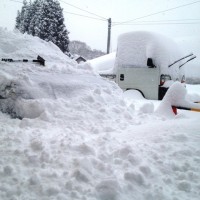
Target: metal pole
109,35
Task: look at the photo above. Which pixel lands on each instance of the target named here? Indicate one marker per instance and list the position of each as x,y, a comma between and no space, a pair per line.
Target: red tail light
164,78
183,79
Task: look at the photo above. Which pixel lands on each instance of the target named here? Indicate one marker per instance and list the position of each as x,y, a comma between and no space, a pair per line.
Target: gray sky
94,31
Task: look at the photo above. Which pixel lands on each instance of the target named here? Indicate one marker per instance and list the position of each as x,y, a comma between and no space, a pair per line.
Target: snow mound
25,88
84,142
193,93
176,96
22,46
103,64
134,48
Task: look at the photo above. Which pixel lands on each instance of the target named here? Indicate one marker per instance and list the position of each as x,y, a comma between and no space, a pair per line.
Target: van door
146,80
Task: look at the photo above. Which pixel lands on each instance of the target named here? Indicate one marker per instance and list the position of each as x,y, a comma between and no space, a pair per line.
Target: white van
148,62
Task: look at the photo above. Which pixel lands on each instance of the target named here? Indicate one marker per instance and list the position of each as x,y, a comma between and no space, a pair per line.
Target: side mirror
150,63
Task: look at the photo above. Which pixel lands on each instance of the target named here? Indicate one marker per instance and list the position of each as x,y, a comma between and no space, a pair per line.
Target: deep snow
88,140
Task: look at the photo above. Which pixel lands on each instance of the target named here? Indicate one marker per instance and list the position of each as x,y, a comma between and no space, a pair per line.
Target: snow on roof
134,48
103,64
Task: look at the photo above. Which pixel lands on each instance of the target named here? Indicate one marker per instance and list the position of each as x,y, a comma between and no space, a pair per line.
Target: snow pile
193,93
17,46
176,96
85,142
135,48
25,87
103,64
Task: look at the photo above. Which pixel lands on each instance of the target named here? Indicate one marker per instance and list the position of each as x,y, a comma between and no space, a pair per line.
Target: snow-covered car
148,62
25,91
144,61
28,89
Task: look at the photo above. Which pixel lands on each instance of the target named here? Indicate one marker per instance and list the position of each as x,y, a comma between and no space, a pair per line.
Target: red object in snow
174,109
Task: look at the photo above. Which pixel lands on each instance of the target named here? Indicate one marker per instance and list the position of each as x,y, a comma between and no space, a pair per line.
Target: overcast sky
94,31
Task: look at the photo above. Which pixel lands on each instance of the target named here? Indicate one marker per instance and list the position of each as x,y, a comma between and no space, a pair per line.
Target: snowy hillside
81,139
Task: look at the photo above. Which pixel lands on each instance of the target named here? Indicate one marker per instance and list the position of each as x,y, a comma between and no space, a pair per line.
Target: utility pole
109,35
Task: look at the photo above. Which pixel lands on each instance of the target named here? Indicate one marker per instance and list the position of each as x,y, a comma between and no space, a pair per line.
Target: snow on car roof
134,48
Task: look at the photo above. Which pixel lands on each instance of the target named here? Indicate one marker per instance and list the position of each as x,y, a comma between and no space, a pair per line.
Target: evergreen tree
22,16
18,20
51,25
34,22
44,18
28,15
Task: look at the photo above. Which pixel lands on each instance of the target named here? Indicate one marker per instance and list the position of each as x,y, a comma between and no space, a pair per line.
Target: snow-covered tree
18,20
35,20
44,18
23,15
28,15
51,25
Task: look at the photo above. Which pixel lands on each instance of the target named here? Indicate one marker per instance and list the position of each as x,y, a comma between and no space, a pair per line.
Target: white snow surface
134,48
103,64
80,138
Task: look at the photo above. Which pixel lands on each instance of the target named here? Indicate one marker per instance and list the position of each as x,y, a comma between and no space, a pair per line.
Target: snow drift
25,87
176,96
84,141
103,64
16,46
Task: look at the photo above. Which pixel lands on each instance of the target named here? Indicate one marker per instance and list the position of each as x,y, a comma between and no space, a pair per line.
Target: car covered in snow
28,89
148,62
144,61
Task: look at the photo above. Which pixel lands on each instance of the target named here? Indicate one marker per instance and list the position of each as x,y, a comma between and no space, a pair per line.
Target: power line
16,1
100,17
123,23
168,20
84,16
142,24
167,10
83,10
160,22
